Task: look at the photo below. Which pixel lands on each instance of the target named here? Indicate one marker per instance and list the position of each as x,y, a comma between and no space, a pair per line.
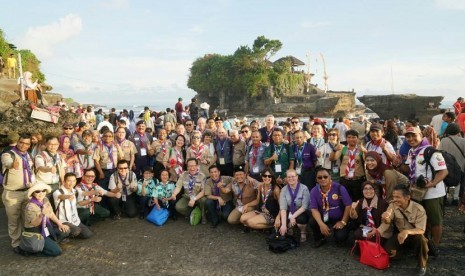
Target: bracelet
343,222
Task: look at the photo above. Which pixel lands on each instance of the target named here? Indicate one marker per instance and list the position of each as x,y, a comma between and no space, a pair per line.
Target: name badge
46,232
277,168
255,169
222,162
289,216
74,218
335,169
325,216
298,170
240,208
109,165
143,152
54,179
123,197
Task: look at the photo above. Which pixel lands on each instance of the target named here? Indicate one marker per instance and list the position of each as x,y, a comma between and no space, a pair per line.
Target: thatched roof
294,61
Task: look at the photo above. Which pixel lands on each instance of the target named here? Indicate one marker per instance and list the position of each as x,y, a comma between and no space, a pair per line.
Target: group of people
328,180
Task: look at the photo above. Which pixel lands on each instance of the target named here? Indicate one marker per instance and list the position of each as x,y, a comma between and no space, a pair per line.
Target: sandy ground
136,247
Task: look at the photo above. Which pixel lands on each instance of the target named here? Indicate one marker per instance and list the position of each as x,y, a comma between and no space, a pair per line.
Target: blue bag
158,217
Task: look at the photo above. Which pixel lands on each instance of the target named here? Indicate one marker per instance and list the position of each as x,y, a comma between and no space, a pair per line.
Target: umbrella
294,61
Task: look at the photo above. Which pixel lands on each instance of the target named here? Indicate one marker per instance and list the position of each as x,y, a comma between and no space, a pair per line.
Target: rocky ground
133,246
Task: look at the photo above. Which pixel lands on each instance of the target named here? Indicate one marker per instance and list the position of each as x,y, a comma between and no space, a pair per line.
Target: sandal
303,237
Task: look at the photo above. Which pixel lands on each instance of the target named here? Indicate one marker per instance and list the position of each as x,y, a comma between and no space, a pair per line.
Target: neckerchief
278,152
89,187
293,197
45,220
109,150
413,153
179,162
216,190
324,197
255,153
351,163
265,195
141,139
268,135
123,183
27,172
221,144
191,183
317,142
197,152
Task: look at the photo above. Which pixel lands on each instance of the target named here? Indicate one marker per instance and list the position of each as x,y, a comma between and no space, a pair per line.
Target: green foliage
247,72
288,82
28,59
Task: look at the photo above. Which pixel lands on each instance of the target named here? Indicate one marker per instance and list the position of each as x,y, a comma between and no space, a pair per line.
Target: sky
127,52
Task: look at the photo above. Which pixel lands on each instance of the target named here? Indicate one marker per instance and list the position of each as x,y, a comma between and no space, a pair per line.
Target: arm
440,175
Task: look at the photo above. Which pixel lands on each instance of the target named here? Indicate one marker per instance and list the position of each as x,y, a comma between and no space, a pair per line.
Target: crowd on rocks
296,176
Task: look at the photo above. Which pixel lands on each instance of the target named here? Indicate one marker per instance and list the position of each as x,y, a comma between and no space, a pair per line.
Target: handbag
196,216
372,253
280,244
417,194
32,242
158,217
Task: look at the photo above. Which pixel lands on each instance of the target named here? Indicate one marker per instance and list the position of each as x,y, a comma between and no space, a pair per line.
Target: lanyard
293,197
299,153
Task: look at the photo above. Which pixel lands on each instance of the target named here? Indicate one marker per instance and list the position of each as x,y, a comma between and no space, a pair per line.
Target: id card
109,165
222,162
298,170
255,169
325,216
143,152
47,233
277,168
54,179
289,216
123,197
240,209
336,169
74,218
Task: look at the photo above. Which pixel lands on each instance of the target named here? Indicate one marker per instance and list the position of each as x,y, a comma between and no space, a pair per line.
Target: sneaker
21,252
204,220
117,217
421,271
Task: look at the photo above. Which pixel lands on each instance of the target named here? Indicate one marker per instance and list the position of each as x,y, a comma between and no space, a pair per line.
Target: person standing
279,156
178,107
49,165
224,153
267,130
254,157
11,64
194,110
305,160
142,141
19,176
458,106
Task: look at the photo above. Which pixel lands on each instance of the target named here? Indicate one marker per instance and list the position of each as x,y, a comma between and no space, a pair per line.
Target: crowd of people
293,176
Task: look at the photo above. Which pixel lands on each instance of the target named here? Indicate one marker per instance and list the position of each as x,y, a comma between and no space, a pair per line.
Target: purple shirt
336,208
306,155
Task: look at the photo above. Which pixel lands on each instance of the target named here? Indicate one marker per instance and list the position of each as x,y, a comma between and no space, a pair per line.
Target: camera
421,181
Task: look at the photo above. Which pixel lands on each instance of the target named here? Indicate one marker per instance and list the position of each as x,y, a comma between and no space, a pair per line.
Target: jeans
214,212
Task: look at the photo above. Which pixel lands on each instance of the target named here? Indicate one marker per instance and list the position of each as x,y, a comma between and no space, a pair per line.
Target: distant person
436,121
105,122
113,117
204,109
447,118
31,88
458,105
2,65
11,64
99,117
461,120
342,128
178,107
194,110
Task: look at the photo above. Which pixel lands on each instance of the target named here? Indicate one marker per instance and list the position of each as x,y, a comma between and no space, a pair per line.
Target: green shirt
285,155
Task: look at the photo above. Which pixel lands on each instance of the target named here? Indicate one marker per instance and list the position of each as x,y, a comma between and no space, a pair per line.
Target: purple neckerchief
191,183
110,152
45,220
26,168
293,196
123,183
216,190
413,155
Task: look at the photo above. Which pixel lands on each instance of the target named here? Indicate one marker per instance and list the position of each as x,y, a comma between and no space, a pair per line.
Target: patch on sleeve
441,163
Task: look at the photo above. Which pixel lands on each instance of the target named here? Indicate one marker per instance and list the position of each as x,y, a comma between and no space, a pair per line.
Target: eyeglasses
267,176
245,131
368,188
68,128
122,168
90,176
294,122
323,177
43,191
332,134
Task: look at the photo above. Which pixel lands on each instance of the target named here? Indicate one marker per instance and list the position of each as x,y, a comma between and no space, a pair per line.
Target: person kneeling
65,200
162,196
125,182
219,196
410,219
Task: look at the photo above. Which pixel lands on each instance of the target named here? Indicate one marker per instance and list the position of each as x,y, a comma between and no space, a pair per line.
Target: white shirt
438,163
372,147
342,128
112,184
105,123
67,209
43,159
436,122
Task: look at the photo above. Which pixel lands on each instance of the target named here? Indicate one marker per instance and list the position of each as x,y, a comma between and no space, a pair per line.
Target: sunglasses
294,122
323,177
89,175
267,176
245,131
43,191
68,128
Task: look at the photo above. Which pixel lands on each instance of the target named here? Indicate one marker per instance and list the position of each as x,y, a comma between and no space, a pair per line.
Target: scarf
45,220
324,198
88,187
413,156
179,162
293,206
351,163
265,195
368,205
378,172
197,152
27,172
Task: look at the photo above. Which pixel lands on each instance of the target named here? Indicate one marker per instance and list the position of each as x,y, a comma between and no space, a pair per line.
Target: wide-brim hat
204,106
39,186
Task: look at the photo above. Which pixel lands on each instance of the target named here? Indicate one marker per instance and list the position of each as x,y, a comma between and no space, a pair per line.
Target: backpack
280,244
455,175
3,173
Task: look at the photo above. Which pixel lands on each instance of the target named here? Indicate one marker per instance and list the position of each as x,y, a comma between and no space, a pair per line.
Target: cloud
451,4
43,39
313,25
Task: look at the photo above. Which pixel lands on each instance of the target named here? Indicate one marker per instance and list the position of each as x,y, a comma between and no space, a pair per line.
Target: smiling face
368,192
52,145
413,139
317,131
39,195
66,143
291,177
164,176
376,135
214,173
192,167
180,141
370,163
70,182
323,178
23,144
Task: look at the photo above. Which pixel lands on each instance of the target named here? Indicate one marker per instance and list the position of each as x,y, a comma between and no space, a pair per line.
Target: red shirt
178,107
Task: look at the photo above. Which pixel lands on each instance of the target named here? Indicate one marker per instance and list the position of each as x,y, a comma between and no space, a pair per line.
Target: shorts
434,210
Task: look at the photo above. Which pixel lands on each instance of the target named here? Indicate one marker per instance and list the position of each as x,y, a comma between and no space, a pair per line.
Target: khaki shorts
434,210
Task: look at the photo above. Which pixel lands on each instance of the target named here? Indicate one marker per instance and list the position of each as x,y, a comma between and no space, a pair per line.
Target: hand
221,201
96,199
402,236
220,184
386,216
71,197
363,149
99,193
47,211
292,222
279,180
429,184
318,153
371,234
191,203
101,175
89,152
339,147
245,208
277,223
16,164
118,195
354,205
158,207
275,156
283,229
325,230
53,170
339,225
63,228
163,200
